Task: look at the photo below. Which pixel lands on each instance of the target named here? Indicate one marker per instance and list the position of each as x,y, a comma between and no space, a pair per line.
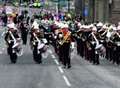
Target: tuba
17,46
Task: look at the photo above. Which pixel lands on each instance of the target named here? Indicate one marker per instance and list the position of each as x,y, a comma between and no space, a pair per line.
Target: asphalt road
26,74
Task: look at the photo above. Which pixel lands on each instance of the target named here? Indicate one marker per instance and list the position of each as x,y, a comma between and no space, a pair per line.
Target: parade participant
79,40
94,45
109,43
116,41
64,42
24,31
85,34
13,42
99,25
37,43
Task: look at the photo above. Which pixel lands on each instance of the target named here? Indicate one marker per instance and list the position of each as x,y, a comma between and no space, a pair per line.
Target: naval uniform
13,55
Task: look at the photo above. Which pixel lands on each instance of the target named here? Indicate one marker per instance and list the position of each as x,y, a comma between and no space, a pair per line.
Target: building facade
98,10
115,11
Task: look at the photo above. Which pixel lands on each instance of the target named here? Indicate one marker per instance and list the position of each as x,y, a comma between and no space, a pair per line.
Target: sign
86,12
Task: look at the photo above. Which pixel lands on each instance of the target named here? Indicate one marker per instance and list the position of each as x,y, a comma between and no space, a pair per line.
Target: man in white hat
35,25
11,38
93,44
115,49
11,26
99,26
37,44
118,27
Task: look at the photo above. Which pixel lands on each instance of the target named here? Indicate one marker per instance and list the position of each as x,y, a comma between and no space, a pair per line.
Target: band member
12,39
116,43
24,31
37,43
95,45
64,42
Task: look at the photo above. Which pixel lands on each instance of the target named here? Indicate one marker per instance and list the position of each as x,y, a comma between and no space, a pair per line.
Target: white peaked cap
94,29
91,25
82,26
35,25
86,26
65,26
111,27
118,23
11,25
79,24
60,24
114,28
105,26
56,23
108,34
43,21
100,24
118,28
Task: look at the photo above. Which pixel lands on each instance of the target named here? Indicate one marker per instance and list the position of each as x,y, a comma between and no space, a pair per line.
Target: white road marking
53,56
60,69
66,80
56,62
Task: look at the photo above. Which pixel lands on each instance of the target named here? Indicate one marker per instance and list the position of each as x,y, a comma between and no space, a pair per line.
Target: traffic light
37,4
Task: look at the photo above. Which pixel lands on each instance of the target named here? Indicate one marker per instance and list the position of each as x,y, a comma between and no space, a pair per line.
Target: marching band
93,41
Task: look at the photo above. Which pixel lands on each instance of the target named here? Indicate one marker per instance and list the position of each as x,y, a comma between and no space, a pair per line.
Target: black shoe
64,67
13,62
97,63
38,62
69,67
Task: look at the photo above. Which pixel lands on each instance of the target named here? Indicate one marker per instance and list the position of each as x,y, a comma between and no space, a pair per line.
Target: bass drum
20,52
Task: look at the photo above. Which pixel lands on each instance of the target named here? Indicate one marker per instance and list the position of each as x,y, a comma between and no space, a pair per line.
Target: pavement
50,74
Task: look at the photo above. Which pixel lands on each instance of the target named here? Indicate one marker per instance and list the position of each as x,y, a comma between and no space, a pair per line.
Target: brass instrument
65,39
